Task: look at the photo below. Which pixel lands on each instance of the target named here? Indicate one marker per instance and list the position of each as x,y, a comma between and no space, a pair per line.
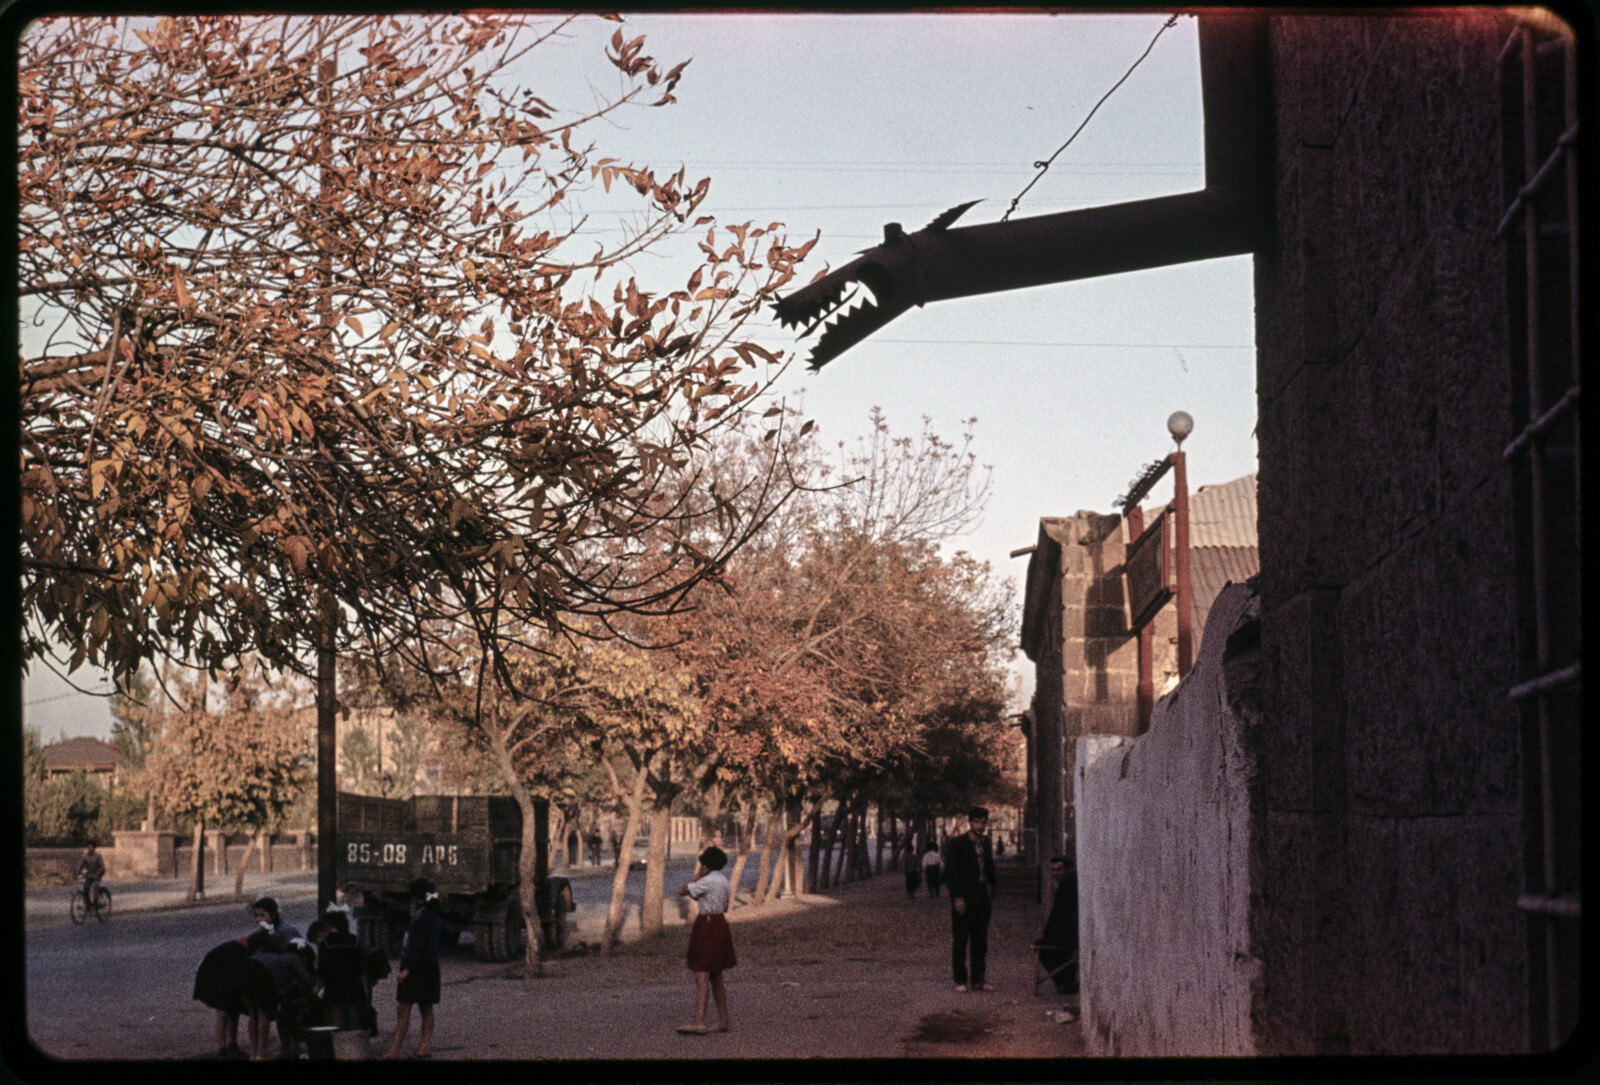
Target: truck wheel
499,939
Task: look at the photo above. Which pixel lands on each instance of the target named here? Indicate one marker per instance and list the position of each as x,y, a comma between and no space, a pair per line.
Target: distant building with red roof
100,759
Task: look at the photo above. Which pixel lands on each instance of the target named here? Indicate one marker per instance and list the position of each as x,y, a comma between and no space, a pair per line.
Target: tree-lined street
858,973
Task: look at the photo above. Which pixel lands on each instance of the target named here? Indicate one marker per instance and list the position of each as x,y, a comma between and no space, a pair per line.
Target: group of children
326,977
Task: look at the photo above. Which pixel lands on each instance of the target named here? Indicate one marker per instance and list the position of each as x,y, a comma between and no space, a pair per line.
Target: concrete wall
1169,861
1393,776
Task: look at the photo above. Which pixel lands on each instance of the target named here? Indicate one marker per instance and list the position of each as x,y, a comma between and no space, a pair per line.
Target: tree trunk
528,877
711,813
881,841
844,867
844,835
655,877
769,842
557,842
814,863
619,878
745,839
789,851
528,860
864,844
796,817
244,861
197,876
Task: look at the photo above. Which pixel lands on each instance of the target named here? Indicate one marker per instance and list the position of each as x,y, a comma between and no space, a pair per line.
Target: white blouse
712,892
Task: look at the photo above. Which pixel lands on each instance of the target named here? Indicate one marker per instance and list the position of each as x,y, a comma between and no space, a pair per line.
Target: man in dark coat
1059,942
969,872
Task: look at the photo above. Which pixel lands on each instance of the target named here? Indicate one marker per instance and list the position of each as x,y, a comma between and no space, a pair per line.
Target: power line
1044,165
1038,343
61,697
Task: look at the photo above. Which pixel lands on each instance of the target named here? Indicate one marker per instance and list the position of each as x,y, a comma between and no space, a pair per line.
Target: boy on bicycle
91,868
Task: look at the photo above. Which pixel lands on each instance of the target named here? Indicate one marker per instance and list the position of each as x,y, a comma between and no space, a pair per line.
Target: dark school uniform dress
419,959
342,968
711,942
216,981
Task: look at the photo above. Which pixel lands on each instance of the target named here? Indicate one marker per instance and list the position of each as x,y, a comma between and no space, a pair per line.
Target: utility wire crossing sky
840,123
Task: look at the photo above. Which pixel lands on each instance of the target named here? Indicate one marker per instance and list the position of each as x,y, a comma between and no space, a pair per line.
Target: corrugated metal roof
1211,568
1224,515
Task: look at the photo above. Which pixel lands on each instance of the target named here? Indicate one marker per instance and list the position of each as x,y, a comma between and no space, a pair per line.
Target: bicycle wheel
102,904
75,906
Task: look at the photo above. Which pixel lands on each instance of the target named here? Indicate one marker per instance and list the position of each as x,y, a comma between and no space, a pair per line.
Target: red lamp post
1180,425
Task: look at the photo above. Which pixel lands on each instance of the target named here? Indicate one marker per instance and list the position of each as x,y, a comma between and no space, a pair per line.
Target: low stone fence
160,855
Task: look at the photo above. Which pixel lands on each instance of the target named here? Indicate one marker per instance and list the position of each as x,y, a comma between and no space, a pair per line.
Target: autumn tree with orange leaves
830,643
316,356
308,322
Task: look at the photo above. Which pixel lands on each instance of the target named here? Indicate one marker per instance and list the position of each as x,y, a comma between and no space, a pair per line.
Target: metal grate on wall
1540,228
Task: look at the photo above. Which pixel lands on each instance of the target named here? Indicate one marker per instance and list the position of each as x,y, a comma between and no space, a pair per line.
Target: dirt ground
863,973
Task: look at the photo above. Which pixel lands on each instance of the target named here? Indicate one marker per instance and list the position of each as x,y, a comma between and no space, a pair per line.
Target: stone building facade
1386,827
1076,631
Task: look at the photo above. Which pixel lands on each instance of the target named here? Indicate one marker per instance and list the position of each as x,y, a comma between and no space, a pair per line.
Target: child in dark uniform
216,983
418,978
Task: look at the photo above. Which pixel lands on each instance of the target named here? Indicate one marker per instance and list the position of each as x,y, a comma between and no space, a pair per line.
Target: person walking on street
969,868
913,873
931,870
1058,945
711,942
91,869
418,978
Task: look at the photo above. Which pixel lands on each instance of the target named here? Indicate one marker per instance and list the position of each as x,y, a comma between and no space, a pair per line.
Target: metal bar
1146,689
1180,502
1530,167
1509,50
1545,422
1566,906
1530,191
1570,66
1547,683
1151,476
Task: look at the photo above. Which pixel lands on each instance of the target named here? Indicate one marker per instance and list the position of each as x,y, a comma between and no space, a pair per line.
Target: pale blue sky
841,123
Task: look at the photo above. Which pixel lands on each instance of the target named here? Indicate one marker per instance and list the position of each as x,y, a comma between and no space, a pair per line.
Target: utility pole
1180,425
327,626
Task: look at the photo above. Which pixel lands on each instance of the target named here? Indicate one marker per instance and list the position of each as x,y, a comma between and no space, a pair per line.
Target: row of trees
839,660
320,365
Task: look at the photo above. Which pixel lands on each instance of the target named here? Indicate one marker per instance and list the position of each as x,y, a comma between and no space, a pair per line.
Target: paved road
859,973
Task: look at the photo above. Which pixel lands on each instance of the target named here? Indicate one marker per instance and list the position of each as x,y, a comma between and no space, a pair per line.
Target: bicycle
79,909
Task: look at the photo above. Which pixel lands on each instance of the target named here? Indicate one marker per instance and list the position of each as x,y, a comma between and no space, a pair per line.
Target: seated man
1058,945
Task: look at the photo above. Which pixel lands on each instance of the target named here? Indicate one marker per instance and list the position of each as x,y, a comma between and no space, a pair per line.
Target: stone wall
1169,861
1393,806
154,855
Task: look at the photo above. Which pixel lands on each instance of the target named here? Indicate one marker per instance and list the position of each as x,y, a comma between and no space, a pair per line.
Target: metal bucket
349,1044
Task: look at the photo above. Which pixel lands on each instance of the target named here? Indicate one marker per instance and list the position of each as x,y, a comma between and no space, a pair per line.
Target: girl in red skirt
711,943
